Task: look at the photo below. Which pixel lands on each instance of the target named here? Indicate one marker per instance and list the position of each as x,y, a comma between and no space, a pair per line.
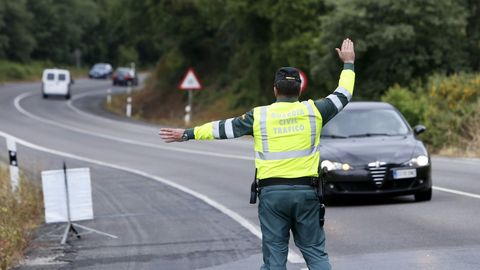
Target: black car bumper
361,182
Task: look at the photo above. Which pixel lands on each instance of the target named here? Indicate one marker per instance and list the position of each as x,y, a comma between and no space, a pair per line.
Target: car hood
397,149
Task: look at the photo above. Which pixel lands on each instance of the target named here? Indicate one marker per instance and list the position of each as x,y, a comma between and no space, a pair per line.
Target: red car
124,76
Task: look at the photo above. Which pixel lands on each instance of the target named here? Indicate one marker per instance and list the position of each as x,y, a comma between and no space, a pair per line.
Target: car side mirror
72,81
419,129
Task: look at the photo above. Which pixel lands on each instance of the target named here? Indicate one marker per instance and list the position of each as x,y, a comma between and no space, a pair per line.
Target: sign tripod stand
70,225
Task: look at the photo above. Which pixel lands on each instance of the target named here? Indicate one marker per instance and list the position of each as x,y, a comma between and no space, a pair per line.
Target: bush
410,103
448,106
452,107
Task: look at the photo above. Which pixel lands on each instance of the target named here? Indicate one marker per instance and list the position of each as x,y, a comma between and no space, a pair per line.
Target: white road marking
17,100
293,257
472,195
75,109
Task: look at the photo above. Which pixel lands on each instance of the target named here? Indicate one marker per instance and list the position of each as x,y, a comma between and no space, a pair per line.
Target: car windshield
62,77
99,67
123,70
365,123
50,76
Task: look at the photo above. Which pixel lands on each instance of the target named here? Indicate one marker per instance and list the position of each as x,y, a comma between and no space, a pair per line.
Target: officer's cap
287,73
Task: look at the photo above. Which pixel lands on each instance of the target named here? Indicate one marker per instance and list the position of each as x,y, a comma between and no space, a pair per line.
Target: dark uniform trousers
291,207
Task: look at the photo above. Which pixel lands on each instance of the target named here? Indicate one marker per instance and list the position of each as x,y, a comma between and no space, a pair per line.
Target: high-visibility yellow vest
287,139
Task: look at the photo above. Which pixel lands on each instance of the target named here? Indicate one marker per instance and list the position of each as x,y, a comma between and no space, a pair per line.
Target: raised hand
347,52
172,134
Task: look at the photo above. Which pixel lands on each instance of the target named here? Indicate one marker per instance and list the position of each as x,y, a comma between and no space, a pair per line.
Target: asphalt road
185,206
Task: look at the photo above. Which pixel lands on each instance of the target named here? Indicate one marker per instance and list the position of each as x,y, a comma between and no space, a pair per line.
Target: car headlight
334,166
419,161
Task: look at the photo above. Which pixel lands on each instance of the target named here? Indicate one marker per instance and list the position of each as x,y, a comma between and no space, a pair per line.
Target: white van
56,82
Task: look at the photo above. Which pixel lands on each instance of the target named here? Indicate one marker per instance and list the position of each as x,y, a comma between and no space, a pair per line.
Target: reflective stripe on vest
267,155
263,128
344,92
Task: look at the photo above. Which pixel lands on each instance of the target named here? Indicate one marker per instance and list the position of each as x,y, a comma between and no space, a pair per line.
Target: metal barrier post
12,154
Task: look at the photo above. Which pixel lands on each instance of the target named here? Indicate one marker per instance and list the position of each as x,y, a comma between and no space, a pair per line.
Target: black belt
308,181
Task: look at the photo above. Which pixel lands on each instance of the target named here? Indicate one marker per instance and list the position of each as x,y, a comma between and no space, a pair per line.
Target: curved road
185,206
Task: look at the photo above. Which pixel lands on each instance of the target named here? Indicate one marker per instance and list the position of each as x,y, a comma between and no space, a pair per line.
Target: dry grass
17,72
469,145
219,109
20,213
458,152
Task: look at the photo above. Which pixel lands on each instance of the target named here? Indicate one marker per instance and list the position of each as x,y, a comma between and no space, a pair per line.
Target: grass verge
20,214
218,109
11,71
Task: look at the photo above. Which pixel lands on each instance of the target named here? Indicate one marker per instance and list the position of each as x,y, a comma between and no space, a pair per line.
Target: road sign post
189,82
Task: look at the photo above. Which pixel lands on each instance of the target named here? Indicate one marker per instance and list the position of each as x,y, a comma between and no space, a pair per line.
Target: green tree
473,33
60,27
16,40
397,40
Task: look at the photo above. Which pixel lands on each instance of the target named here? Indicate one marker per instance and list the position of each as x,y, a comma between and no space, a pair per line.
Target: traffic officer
286,139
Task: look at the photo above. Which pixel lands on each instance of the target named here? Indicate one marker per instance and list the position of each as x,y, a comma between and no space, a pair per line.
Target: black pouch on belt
322,214
319,189
254,190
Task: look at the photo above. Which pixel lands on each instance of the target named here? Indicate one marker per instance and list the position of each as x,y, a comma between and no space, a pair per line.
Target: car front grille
378,170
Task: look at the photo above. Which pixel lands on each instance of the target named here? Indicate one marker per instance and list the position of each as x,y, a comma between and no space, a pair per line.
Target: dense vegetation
236,45
450,106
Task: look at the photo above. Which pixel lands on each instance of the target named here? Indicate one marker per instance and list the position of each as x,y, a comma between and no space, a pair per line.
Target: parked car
124,76
370,149
100,71
56,82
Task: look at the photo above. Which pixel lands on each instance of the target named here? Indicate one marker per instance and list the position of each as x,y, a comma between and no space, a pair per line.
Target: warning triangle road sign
190,81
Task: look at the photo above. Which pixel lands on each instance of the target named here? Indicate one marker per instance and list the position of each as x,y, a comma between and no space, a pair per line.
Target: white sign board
190,81
55,197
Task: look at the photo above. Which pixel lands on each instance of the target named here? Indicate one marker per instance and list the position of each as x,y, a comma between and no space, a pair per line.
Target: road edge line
457,192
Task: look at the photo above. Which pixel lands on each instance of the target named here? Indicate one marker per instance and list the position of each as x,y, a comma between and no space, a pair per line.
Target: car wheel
67,96
423,195
45,96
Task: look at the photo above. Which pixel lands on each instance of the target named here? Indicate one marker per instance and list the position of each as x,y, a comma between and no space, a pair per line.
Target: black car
124,76
370,149
100,71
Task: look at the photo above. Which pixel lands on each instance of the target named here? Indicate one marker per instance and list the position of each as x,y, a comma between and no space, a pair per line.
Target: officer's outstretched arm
336,101
221,129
